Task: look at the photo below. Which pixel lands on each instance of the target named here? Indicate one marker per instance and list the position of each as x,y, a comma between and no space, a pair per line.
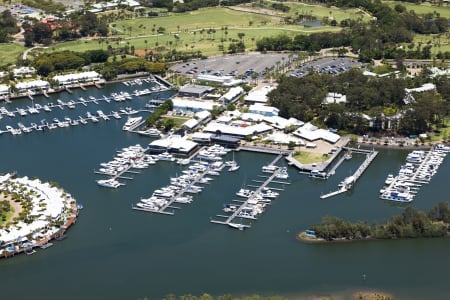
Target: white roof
201,135
251,117
193,104
24,70
263,108
234,114
237,130
175,142
281,123
32,84
224,119
202,115
335,98
4,88
233,93
191,123
424,88
283,138
259,94
76,76
56,203
312,133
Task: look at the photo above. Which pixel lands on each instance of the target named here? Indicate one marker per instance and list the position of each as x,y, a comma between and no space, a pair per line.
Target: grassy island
412,223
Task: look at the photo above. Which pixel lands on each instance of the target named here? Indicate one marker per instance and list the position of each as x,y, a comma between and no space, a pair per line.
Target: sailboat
233,165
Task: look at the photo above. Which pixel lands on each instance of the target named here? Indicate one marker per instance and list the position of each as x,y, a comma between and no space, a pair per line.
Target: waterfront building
4,91
77,78
23,72
311,133
192,105
173,144
34,86
238,131
194,91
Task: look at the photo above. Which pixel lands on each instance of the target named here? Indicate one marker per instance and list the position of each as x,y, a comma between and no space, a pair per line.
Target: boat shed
225,141
174,144
201,137
194,91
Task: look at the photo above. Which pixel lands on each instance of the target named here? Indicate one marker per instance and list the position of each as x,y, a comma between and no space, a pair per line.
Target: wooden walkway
370,156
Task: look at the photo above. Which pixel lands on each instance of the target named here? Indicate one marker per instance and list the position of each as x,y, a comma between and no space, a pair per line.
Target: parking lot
330,65
233,65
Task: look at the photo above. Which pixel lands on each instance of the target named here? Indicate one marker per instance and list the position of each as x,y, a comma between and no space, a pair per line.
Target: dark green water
114,252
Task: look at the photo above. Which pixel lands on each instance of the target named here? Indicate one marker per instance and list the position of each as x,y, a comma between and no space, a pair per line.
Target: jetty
348,182
250,201
174,198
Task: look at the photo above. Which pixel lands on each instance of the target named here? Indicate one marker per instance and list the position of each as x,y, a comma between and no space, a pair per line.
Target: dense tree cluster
160,111
110,70
5,207
302,98
67,60
189,5
48,6
8,26
412,223
378,39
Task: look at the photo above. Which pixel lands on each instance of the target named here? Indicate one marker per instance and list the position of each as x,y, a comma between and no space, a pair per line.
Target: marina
420,167
118,240
349,181
256,200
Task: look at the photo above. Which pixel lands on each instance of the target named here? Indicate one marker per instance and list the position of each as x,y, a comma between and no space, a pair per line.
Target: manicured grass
310,157
9,53
178,120
443,134
321,11
441,43
423,8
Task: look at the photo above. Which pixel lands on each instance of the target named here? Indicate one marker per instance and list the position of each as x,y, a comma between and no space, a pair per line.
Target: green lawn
423,8
9,53
191,28
443,134
439,43
310,157
178,120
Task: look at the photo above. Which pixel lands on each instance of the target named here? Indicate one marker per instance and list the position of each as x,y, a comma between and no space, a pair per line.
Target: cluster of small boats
255,203
132,157
66,122
212,153
282,171
420,167
187,183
